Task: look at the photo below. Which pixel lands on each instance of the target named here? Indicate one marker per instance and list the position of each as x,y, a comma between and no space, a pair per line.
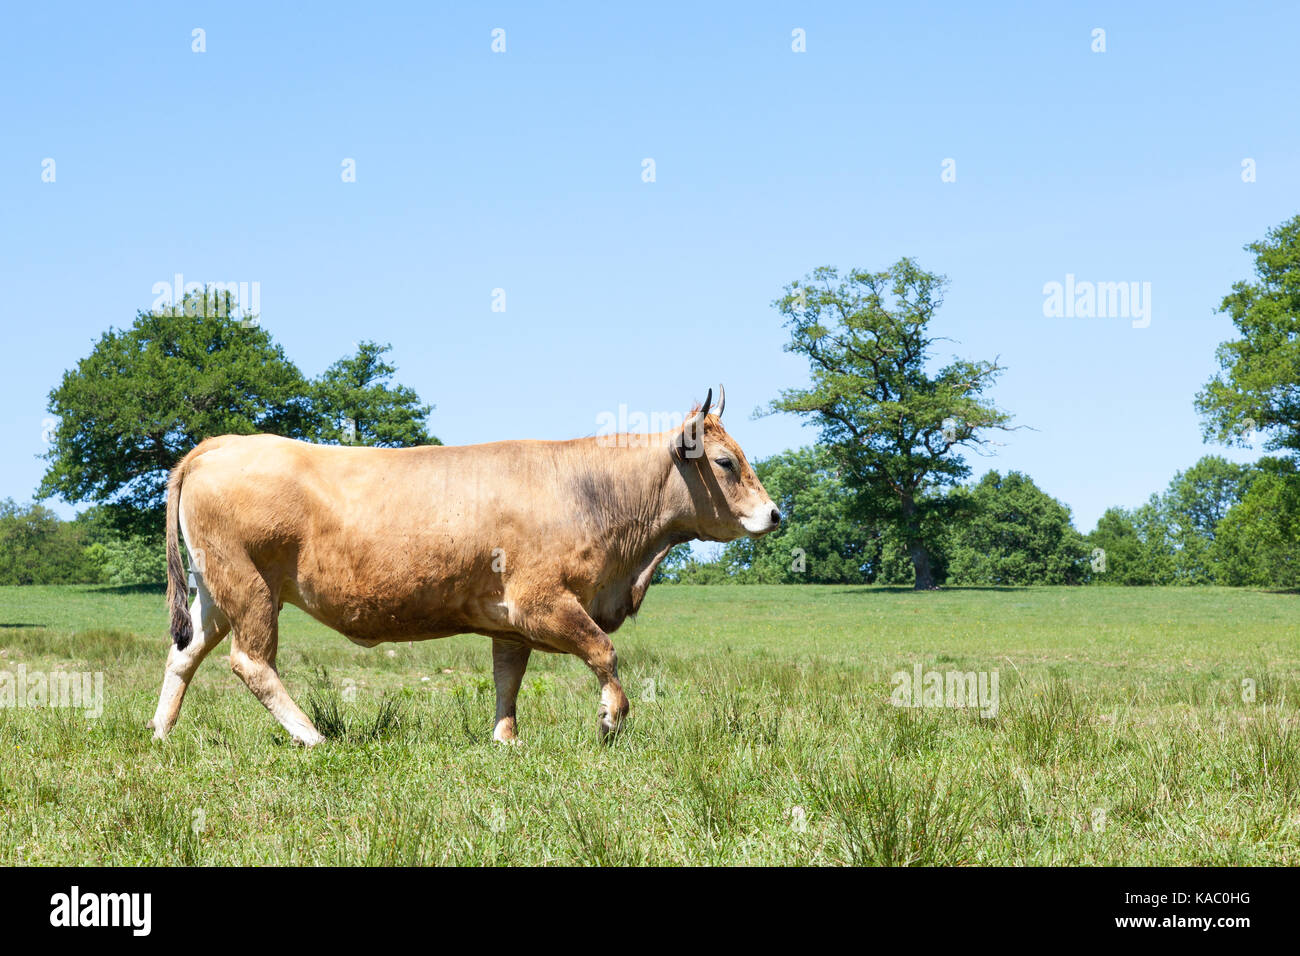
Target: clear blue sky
523,171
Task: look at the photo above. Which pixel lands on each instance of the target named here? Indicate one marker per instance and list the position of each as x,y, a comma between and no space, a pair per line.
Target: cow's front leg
509,658
565,626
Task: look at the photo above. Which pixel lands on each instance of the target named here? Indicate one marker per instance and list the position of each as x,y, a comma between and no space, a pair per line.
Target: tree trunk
916,547
921,562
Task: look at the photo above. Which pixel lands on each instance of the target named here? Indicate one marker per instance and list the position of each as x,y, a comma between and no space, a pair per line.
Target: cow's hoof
308,740
613,710
148,724
609,726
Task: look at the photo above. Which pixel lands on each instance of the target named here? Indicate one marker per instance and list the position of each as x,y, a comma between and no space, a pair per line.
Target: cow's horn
704,409
722,400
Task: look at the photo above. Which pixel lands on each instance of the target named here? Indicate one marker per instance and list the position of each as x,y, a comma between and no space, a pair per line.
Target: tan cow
540,545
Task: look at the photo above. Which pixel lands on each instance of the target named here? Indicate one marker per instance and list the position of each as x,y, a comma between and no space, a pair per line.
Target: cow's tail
178,591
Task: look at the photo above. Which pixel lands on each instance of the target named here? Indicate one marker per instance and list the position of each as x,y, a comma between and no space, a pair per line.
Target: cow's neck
638,509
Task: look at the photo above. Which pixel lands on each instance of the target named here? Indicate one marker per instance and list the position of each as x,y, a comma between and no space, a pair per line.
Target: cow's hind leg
567,627
509,659
210,626
252,657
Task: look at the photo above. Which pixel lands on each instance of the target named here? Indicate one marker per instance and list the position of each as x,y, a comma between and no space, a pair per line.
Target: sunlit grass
761,732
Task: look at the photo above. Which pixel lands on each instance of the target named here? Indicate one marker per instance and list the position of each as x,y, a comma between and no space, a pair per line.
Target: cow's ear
690,440
687,445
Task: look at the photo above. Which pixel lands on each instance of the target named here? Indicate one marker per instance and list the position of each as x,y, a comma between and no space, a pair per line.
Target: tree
1134,545
1195,502
1157,549
1258,388
1257,543
146,395
1174,537
817,542
892,428
119,558
938,513
36,547
678,558
1257,392
1015,534
690,570
357,405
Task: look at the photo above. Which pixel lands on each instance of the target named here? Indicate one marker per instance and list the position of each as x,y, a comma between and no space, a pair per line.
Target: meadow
1134,726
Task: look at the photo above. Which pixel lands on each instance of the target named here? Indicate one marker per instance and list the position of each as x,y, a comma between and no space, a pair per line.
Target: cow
538,545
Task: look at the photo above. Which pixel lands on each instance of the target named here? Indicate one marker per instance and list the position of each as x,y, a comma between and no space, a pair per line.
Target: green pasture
1133,726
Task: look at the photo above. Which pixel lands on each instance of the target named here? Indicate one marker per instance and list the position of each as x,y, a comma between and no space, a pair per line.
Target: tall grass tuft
340,720
883,817
1053,720
596,839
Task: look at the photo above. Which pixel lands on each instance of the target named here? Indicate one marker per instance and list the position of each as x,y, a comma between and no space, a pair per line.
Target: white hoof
505,731
308,738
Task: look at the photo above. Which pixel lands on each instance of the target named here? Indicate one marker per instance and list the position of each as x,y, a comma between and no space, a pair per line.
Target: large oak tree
147,394
894,428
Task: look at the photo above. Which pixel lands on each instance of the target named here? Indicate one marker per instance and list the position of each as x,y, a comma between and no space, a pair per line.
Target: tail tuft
182,629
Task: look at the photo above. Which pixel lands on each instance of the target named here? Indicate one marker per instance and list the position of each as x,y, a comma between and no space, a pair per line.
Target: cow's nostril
776,516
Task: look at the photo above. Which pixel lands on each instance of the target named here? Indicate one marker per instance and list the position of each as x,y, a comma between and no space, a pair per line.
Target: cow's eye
724,463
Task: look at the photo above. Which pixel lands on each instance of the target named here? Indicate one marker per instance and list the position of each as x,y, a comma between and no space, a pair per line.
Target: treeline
1216,523
884,497
38,547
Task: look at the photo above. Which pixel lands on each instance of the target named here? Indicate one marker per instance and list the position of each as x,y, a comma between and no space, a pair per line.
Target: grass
762,732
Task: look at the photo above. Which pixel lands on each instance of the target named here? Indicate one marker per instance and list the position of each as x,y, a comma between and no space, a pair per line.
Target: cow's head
727,497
